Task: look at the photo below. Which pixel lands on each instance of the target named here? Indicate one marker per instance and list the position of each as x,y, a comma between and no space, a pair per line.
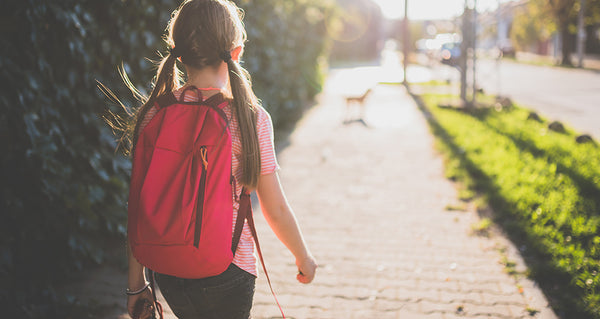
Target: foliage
63,189
545,189
530,26
287,52
539,18
554,13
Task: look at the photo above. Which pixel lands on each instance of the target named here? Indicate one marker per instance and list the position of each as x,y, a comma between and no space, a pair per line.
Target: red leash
245,200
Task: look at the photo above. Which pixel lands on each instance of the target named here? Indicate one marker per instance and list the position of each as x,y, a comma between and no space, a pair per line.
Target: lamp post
405,41
462,59
468,56
474,56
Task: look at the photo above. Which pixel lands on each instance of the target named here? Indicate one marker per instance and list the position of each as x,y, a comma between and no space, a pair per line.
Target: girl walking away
198,149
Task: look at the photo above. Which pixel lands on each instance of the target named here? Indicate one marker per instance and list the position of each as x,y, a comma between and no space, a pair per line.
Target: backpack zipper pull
203,156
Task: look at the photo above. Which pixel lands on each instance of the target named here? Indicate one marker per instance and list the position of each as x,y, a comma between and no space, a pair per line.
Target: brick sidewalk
371,201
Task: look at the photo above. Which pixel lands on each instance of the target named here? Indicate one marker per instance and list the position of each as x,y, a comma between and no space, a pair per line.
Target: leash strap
157,306
246,206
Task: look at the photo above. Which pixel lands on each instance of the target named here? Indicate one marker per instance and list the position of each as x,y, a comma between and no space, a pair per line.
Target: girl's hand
282,220
306,269
132,300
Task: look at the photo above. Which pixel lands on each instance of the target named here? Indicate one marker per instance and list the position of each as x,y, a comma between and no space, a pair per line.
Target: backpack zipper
201,191
234,187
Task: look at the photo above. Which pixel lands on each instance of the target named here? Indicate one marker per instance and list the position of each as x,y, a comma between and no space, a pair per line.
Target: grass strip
543,187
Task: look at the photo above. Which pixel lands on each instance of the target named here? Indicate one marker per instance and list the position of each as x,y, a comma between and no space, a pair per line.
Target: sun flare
431,9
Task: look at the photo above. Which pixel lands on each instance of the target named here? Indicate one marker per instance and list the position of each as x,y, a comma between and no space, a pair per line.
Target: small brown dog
356,100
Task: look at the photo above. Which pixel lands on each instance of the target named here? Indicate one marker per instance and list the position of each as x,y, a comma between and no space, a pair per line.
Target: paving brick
505,299
490,311
460,297
404,314
429,306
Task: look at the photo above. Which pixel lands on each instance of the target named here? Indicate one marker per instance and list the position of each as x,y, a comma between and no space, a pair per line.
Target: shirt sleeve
264,127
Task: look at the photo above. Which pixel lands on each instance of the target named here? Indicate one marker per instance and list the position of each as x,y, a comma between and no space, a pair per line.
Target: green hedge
63,189
286,53
545,189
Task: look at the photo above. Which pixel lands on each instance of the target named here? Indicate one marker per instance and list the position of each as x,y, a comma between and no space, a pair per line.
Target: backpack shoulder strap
216,102
245,206
245,212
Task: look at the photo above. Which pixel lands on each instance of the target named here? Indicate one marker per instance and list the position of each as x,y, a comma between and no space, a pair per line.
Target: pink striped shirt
244,255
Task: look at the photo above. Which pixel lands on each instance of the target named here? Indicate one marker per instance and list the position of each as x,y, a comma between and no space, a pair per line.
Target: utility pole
580,34
464,51
498,39
474,56
468,54
405,41
462,59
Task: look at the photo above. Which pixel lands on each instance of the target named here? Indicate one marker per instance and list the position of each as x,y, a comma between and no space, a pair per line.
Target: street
571,96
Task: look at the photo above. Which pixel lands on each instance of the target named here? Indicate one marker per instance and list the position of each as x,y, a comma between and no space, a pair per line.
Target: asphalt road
571,96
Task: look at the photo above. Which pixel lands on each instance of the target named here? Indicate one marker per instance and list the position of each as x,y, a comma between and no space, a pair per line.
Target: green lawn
543,187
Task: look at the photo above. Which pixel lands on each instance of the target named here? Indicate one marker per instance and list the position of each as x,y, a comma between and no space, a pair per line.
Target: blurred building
494,27
495,30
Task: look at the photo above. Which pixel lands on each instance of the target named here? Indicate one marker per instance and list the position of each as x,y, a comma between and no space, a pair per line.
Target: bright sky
431,9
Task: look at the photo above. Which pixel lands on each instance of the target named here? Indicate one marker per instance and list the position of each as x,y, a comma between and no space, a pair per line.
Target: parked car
507,49
450,53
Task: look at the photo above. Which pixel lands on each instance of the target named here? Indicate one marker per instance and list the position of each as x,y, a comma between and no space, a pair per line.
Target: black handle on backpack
243,212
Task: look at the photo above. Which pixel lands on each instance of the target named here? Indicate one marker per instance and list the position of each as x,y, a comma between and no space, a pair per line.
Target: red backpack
181,197
180,213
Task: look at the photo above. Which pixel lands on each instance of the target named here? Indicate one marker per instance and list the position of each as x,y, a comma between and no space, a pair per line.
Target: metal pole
474,52
405,42
499,58
580,35
463,57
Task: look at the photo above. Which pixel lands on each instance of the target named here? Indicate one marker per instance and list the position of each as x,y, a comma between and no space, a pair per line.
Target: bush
63,189
286,53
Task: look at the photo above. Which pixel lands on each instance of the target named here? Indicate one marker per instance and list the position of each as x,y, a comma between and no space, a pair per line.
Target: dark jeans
225,296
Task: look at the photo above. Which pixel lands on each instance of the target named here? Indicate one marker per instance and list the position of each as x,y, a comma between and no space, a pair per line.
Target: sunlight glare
430,9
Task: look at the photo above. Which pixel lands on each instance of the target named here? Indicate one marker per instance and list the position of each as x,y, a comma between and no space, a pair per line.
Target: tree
565,15
540,18
592,25
529,26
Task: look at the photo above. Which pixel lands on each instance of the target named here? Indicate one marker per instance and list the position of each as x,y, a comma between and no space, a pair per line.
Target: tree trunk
567,44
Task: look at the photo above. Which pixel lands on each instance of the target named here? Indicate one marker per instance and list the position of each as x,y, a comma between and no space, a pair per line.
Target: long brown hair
203,33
